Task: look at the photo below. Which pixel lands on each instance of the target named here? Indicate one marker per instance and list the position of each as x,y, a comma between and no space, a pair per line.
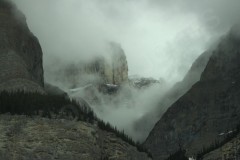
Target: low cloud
160,38
156,36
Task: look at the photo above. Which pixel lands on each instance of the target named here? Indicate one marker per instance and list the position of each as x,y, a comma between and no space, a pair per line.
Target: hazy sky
160,38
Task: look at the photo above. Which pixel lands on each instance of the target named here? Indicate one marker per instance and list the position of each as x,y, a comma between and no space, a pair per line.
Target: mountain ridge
207,109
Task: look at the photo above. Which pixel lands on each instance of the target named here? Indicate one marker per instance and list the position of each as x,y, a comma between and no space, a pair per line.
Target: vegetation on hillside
32,104
179,155
50,106
218,144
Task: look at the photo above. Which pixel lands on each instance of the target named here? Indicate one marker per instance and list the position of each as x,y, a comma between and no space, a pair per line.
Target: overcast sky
160,38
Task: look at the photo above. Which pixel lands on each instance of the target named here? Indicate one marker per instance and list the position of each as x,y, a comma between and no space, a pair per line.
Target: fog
156,35
161,39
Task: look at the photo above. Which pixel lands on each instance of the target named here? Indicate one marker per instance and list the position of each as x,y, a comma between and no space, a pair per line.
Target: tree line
180,154
218,144
31,104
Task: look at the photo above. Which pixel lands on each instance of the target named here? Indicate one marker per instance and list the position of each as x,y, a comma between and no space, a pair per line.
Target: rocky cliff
119,67
20,52
109,69
39,138
112,69
210,107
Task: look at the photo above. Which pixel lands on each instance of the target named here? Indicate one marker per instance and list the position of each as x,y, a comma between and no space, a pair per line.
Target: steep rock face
20,52
112,69
38,138
109,69
210,107
118,72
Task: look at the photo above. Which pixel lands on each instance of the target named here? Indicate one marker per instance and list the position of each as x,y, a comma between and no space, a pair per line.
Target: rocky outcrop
118,72
39,138
109,69
210,107
20,52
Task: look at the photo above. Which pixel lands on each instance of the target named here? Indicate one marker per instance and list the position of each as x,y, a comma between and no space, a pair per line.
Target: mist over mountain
208,109
164,73
73,30
30,105
160,39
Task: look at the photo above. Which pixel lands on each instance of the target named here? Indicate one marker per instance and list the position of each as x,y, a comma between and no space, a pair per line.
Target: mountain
36,125
190,79
172,95
209,108
20,52
180,88
119,72
112,68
